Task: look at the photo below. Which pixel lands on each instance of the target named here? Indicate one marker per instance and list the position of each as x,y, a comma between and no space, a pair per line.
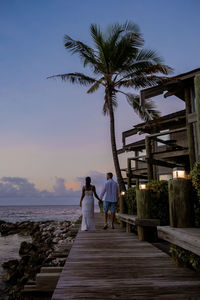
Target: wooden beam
139,160
189,126
129,172
173,152
170,143
138,176
163,163
134,220
197,97
186,238
192,118
168,132
149,157
120,151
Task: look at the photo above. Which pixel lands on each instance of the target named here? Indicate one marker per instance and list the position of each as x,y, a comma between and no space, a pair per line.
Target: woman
87,204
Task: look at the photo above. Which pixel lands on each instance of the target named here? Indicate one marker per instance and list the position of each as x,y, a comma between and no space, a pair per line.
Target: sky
52,133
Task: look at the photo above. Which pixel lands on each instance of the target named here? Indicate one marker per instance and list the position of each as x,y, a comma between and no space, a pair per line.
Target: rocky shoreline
51,243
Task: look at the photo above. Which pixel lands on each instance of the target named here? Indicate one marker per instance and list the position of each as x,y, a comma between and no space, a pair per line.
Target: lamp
122,193
178,172
142,186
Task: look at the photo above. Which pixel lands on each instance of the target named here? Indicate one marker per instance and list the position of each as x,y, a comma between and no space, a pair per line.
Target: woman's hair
87,182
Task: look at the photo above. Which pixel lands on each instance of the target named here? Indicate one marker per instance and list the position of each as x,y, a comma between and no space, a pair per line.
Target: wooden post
197,98
145,233
190,133
136,167
181,208
129,171
149,157
154,166
128,227
122,209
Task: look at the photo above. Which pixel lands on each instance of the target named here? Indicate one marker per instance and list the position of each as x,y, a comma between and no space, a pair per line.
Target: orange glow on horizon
75,186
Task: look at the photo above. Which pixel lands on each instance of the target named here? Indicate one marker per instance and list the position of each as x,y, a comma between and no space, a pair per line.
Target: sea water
9,245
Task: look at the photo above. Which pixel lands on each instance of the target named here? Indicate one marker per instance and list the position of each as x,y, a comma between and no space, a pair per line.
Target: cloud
20,191
18,187
21,187
60,190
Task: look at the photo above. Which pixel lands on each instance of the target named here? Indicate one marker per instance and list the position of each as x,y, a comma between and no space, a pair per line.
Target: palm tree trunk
113,145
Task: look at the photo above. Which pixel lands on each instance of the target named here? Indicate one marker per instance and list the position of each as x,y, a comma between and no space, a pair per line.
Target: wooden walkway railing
113,264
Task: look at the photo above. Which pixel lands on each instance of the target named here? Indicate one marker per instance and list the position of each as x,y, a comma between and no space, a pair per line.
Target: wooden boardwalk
113,264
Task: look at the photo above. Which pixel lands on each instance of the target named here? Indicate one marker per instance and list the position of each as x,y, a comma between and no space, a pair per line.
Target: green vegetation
160,201
118,62
185,258
130,201
195,174
196,177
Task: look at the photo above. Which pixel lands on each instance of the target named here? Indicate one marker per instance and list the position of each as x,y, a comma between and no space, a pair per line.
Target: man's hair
110,174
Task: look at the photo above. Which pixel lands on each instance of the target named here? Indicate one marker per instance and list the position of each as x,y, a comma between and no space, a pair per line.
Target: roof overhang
173,86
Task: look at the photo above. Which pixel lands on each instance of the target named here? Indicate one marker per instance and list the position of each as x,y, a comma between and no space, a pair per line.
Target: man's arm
103,192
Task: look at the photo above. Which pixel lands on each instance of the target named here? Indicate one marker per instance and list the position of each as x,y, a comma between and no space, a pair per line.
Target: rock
55,240
48,239
26,248
10,264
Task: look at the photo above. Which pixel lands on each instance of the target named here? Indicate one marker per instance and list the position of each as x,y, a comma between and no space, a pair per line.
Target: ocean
39,213
9,245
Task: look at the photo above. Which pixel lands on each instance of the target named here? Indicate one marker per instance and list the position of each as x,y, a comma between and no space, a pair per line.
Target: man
111,198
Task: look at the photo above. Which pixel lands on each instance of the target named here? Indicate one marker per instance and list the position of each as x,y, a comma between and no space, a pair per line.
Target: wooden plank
163,163
192,117
113,264
134,220
186,238
189,126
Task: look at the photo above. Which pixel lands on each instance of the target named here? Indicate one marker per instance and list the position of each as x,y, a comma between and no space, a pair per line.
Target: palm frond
138,82
100,43
148,112
95,86
79,78
86,53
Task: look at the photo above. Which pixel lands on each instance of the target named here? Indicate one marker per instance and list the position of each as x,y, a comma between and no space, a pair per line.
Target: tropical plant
117,61
159,200
195,176
130,201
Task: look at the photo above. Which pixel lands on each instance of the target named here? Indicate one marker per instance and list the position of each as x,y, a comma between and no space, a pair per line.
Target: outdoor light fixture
123,193
179,173
142,186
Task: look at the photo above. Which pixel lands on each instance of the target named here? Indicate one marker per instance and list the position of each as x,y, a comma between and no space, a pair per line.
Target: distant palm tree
117,61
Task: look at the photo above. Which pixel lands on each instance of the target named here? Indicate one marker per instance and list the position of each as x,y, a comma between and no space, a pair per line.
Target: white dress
88,211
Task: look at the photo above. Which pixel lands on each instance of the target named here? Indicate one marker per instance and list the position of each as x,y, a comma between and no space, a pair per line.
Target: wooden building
170,141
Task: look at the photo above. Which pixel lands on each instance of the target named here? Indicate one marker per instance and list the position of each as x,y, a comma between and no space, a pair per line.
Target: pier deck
113,264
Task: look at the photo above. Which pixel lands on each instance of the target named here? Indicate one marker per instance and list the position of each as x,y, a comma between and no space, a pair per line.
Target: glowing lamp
123,193
142,186
178,173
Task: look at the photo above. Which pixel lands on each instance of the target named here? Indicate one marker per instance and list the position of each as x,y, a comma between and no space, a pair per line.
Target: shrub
185,258
160,201
196,177
195,174
130,201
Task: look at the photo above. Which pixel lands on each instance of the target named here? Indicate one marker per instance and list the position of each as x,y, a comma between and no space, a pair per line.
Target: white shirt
111,190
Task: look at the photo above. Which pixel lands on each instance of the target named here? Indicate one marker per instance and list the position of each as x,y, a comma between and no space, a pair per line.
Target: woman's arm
82,196
94,190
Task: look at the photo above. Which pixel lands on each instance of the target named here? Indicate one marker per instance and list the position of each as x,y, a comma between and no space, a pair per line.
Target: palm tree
117,61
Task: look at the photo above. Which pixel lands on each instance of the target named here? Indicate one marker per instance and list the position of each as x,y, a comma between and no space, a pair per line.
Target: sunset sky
52,133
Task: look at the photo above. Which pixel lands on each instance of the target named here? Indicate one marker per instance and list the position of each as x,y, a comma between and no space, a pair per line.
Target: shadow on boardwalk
113,264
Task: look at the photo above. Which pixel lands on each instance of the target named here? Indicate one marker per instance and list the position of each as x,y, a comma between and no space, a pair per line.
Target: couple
87,202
